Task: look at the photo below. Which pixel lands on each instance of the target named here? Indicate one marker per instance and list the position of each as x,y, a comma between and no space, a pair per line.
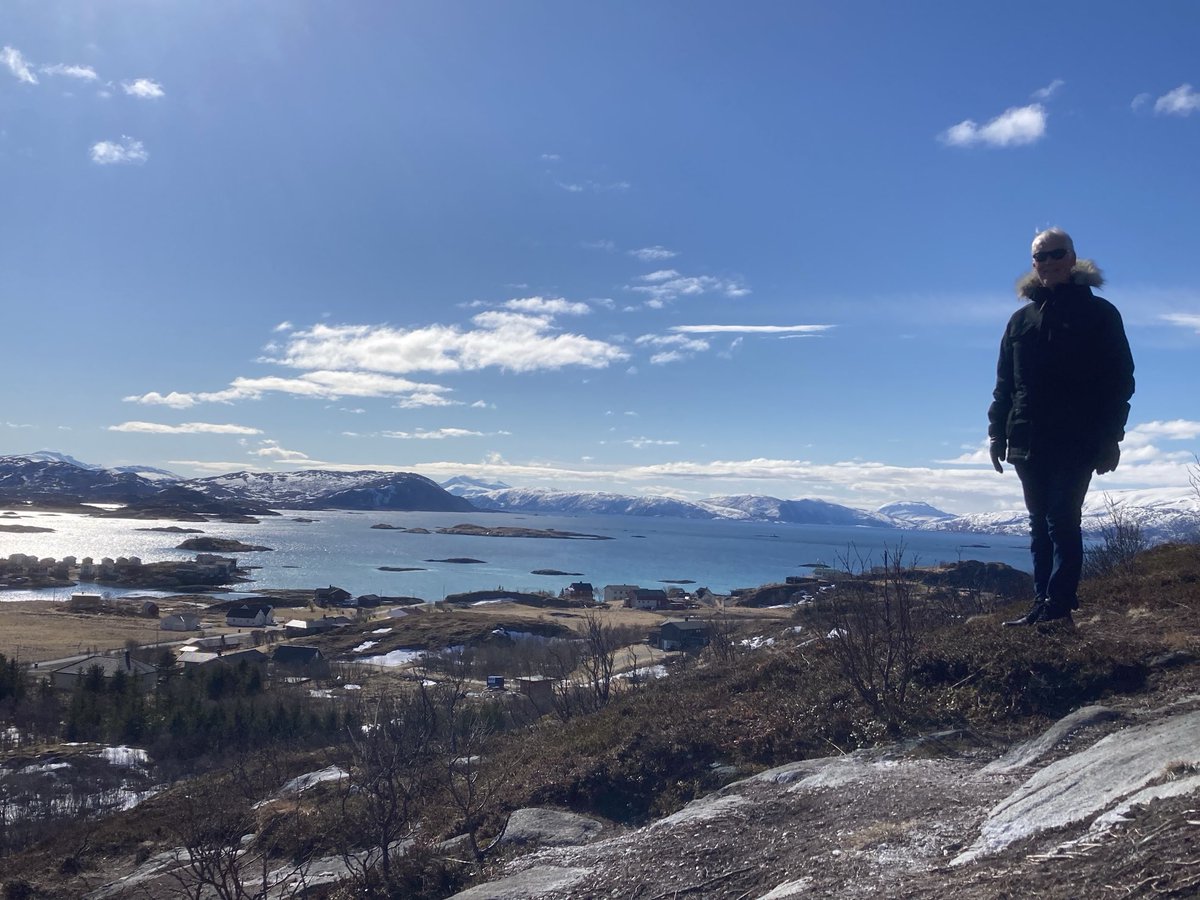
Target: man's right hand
997,451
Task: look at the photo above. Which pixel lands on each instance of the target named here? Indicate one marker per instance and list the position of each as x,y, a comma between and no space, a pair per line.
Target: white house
250,615
180,622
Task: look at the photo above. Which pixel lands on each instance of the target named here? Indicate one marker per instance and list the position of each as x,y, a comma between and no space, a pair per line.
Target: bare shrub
874,633
1121,540
722,646
389,779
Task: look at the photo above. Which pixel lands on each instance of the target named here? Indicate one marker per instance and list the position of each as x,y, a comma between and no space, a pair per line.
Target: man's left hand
1108,459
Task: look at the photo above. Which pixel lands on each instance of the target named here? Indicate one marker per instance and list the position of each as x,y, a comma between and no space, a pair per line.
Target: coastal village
292,636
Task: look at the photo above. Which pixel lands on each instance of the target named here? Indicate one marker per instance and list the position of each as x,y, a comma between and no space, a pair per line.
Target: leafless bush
722,637
389,779
874,633
1121,540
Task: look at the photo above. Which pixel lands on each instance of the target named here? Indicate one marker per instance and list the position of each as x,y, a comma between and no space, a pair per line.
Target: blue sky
689,248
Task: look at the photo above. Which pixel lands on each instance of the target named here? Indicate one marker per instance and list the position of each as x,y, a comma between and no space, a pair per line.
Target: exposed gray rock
1031,751
790,890
1078,787
527,885
550,827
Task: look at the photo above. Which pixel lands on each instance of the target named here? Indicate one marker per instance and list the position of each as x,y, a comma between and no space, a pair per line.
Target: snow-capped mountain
1162,521
317,488
913,513
466,486
48,474
592,503
799,512
44,476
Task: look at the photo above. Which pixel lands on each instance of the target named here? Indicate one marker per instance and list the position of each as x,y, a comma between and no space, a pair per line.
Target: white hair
1057,233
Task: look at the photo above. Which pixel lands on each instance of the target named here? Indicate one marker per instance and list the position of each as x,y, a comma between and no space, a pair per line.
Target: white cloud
750,329
185,428
144,88
423,399
1139,102
678,347
551,157
504,340
606,245
666,285
553,306
639,442
1183,101
84,73
324,385
15,62
272,450
1013,127
126,150
653,254
437,434
15,425
595,187
1049,90
1172,430
1184,320
283,326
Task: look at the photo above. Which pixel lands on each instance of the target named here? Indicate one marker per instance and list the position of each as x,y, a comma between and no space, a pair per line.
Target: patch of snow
321,693
381,631
364,646
659,671
352,687
302,783
127,757
44,767
395,658
757,642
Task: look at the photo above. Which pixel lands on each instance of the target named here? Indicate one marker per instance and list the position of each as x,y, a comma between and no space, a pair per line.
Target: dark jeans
1054,491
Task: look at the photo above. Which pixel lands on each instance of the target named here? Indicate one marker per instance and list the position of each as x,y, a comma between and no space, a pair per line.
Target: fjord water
341,548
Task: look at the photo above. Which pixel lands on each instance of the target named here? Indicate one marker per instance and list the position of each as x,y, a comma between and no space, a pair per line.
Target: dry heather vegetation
890,653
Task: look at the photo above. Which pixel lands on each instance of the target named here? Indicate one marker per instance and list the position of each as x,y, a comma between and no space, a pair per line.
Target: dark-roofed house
331,596
308,662
192,659
68,677
250,615
580,592
689,634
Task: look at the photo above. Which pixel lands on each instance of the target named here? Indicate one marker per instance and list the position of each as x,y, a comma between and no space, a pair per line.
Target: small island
25,529
220,545
462,560
519,532
558,572
173,529
401,569
383,526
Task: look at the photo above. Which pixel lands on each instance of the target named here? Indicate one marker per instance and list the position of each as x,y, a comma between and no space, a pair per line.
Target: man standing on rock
1063,385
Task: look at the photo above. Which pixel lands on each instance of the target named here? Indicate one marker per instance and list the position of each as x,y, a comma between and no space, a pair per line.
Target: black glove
998,451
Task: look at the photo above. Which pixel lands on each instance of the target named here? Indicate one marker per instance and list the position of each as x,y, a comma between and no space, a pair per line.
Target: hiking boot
1037,613
1058,614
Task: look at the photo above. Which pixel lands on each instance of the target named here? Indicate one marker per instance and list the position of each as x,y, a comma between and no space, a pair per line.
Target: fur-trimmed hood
1084,272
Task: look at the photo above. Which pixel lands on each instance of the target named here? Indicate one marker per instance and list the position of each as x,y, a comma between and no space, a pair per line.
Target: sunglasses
1043,255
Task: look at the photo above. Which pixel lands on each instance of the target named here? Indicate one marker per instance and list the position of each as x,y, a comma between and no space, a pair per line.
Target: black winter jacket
1065,373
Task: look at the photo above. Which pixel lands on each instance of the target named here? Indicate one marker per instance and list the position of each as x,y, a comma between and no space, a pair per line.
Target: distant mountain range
46,476
50,477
